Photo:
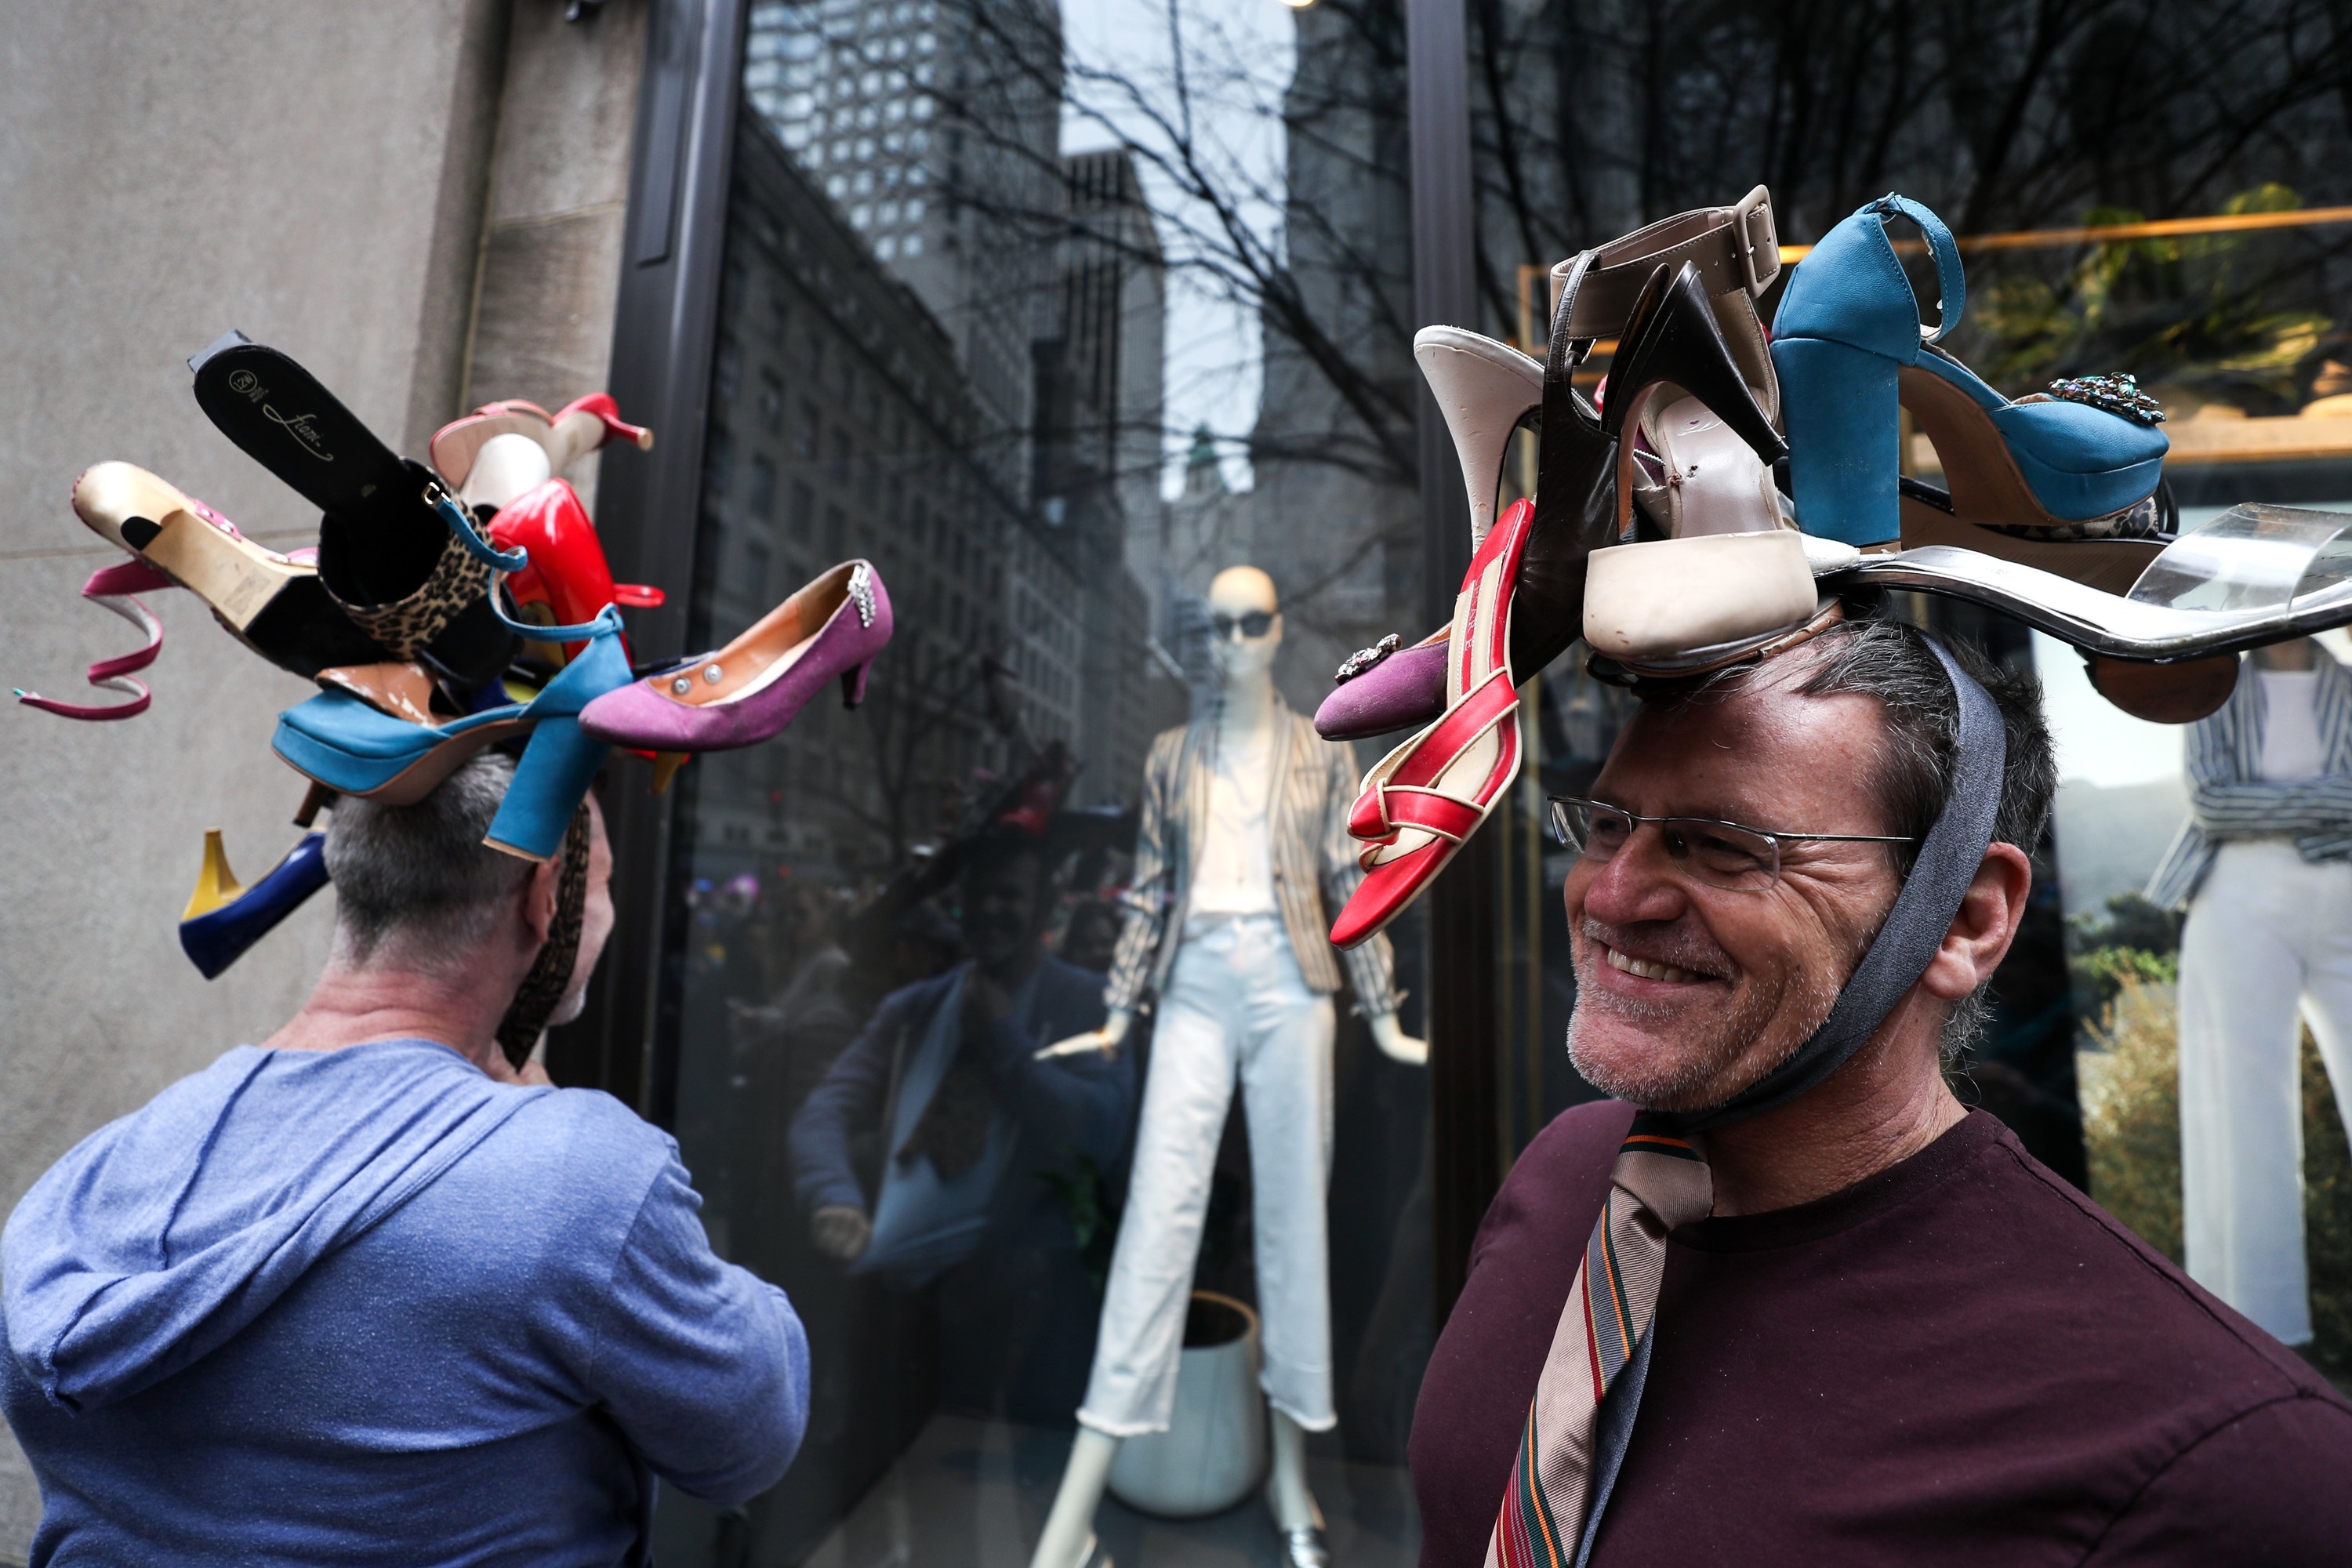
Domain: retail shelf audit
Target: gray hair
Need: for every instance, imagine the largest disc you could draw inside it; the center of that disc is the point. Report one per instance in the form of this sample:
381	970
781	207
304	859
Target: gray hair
419	878
1873	655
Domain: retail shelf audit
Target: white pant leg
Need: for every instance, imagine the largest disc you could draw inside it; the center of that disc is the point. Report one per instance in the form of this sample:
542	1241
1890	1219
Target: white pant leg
2240	1122
1132	1388
2327	979
1285	1069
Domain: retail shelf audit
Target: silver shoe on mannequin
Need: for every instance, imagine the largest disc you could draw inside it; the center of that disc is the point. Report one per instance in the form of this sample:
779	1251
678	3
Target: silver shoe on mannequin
1305	1549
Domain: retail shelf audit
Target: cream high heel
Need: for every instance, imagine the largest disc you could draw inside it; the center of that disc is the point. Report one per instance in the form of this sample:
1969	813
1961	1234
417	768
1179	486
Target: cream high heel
272	603
1485	389
508	467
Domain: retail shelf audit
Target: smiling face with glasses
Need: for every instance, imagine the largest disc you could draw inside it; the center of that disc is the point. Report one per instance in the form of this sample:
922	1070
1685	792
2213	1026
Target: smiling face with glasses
1732	866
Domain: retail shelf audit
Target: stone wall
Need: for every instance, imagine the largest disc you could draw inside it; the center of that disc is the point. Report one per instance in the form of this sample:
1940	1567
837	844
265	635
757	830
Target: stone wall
322	178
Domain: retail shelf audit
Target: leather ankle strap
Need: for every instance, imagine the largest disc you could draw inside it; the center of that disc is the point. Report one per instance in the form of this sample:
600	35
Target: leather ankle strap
1734	248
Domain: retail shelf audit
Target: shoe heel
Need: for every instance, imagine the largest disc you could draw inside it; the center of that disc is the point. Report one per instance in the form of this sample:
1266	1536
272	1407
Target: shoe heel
235	577
550	782
1840	404
852	684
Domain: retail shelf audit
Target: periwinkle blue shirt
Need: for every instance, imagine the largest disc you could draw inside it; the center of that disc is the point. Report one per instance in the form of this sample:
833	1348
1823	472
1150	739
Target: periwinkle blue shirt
371	1307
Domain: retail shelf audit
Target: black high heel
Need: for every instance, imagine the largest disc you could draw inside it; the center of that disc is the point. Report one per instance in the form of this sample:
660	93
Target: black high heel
1672	338
1580	494
404	562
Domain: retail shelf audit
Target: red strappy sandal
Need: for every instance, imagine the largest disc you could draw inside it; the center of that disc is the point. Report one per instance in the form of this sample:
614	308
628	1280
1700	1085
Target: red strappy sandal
1422	802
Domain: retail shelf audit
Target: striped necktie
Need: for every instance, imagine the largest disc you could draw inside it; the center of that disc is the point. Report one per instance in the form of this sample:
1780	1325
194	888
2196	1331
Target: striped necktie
1659	1181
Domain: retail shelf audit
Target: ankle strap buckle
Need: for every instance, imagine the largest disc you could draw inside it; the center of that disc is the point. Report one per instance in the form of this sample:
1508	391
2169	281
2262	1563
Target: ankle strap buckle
1757	241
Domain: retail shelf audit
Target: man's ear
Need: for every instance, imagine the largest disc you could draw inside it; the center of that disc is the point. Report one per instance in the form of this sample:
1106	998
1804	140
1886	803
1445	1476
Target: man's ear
1990	912
539	897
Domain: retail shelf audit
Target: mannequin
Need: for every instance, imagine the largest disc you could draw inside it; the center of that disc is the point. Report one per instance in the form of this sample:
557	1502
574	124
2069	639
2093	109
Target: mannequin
1240	843
2268	936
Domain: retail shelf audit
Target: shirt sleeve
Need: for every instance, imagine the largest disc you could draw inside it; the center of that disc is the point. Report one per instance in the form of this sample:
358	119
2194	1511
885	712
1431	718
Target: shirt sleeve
2268	1486
1081	1102
1151	887
703	1365
848	1097
2233	810
1371	965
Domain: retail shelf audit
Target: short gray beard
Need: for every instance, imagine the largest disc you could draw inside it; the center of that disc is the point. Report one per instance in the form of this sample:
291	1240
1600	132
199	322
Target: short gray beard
1694	1080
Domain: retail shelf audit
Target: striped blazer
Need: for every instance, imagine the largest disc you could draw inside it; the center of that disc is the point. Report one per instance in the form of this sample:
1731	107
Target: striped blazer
1314	861
2229	798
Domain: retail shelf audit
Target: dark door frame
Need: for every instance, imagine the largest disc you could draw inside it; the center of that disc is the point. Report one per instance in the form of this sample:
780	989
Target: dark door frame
1466	1149
648	505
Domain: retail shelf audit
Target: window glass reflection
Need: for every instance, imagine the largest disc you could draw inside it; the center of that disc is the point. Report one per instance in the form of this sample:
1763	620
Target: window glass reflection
978	329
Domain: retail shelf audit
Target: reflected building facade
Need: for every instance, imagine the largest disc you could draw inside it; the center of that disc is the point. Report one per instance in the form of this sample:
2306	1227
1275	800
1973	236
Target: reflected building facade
934	127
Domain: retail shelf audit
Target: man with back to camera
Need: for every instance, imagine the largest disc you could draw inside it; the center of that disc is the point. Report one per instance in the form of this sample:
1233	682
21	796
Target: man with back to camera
1858	1323
364	1294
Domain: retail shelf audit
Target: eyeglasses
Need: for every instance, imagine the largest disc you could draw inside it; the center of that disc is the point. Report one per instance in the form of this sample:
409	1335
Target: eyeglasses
1720	854
1255	624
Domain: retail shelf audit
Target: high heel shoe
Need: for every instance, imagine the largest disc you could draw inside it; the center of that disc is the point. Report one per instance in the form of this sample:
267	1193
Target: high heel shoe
344	742
1420	803
225	918
2254	575
274	606
568	579
2056	469
1486	390
404	561
1742	576
756	685
1384	688
571	433
1736	253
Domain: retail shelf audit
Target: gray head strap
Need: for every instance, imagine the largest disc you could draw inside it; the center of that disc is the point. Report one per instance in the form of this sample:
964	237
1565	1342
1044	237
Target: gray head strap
1954	846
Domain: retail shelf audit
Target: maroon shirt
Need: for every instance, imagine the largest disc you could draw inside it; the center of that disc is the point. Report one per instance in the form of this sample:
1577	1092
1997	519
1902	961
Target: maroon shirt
1961	1359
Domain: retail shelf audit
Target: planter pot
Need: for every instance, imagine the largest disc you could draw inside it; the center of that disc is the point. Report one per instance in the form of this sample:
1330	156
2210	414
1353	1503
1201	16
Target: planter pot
1213	1453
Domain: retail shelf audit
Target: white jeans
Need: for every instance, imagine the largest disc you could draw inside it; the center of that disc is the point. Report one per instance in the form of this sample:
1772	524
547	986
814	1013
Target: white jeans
1236	1007
2267	930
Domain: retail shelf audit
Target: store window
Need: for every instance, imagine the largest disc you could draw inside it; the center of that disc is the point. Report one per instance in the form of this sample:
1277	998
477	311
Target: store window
1050	401
1141	325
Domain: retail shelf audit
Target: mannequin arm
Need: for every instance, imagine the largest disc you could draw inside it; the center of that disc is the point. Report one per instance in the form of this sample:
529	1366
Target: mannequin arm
1395	1044
1105	1039
2257	809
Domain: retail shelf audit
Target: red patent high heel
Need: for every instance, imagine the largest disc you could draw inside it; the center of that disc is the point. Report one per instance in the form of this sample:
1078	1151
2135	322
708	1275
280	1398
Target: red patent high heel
571	432
567	580
584	424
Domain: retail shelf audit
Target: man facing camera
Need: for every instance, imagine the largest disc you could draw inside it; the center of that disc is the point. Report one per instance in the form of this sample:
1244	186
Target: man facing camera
1827	1314
363	1294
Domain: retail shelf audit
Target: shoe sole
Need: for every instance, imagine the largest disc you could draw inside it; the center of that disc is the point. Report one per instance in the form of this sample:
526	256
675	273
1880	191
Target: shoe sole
2110	566
408	782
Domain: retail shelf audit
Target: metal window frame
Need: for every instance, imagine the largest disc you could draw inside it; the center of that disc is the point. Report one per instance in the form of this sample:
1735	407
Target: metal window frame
1467	1152
649	504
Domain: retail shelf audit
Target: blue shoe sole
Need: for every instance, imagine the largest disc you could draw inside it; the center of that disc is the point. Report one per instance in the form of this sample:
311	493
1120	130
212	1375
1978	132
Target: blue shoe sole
213	942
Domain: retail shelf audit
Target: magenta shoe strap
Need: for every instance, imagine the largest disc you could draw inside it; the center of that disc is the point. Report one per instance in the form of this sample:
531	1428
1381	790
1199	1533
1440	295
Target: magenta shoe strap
111	586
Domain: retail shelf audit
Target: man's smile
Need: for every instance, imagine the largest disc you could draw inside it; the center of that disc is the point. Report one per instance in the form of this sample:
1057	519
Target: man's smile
1648	970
